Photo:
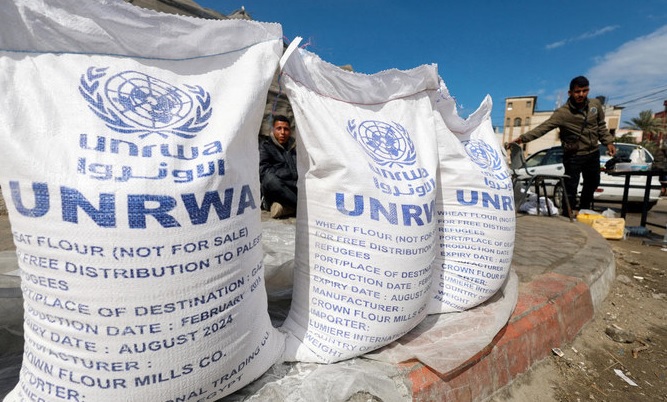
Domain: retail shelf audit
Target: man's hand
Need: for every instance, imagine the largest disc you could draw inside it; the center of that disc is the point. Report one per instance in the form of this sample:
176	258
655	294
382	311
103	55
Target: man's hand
517	140
611	149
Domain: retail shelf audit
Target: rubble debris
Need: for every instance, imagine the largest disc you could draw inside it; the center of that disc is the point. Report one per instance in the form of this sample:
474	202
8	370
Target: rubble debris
624	377
635	351
624	279
618	334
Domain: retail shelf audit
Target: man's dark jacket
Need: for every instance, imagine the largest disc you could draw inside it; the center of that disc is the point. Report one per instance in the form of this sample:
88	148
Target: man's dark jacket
586	126
276	161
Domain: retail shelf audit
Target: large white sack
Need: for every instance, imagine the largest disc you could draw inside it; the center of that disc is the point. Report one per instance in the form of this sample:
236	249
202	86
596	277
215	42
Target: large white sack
474	209
129	167
365	220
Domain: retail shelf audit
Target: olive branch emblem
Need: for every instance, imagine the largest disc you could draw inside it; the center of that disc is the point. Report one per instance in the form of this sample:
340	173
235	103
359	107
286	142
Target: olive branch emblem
486	157
387	144
147	110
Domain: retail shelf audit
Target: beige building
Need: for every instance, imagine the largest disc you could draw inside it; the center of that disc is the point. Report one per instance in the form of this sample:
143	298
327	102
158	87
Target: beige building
521	117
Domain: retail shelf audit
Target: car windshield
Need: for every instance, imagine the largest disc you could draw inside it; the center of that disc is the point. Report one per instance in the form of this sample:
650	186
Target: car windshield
545	157
536	159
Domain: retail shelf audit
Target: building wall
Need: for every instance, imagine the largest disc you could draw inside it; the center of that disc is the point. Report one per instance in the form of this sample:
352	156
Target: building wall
521	117
519	112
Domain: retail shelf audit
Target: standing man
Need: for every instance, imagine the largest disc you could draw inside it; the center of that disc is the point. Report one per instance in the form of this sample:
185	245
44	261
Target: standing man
582	128
277	169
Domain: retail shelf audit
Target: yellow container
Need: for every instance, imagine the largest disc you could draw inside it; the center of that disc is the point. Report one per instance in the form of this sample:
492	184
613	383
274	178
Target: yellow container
589	218
610	228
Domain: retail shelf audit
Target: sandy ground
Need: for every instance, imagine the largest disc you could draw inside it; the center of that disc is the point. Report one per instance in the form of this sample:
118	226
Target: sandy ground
628	333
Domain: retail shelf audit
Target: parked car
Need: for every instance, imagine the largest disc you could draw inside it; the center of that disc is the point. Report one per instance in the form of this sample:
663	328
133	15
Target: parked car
550	161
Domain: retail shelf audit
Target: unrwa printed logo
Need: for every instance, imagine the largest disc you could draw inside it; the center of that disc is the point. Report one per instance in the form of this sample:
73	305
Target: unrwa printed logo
387	144
131	102
486	157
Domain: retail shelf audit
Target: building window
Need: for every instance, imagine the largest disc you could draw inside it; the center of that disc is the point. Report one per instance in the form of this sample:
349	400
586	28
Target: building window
517	122
528	103
509	121
528	121
509	105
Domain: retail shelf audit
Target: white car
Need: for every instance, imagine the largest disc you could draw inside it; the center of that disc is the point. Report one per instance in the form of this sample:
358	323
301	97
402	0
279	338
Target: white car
550	161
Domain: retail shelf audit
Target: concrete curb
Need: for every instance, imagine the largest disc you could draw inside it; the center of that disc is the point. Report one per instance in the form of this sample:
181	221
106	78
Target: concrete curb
550	311
552	308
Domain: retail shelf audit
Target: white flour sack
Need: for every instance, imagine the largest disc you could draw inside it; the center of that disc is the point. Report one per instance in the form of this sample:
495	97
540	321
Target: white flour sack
474	209
366	213
129	168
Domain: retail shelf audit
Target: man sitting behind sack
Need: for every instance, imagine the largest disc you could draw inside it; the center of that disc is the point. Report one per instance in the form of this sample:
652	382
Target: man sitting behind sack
277	169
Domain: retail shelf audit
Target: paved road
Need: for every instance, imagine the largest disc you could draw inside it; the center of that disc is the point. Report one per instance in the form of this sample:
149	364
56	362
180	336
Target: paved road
6	241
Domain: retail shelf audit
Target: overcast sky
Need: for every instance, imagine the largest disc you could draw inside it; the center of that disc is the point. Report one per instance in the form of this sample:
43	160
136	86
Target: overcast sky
505	49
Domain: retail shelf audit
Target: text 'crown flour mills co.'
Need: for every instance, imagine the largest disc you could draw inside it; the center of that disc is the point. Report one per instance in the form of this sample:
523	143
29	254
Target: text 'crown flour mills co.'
129	168
475	209
365	222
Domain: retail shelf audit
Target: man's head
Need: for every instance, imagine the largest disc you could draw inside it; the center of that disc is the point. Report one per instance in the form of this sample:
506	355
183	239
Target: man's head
281	129
579	88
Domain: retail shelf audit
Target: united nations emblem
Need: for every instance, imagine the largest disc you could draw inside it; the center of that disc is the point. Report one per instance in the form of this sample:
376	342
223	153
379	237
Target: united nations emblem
387	144
486	157
134	102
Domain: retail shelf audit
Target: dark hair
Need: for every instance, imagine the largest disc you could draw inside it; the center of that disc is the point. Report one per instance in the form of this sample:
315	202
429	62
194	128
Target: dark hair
579	81
280	117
